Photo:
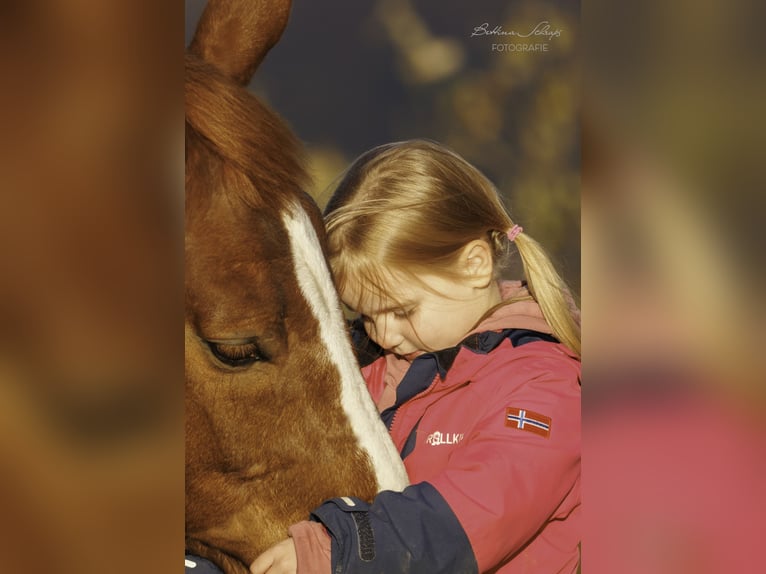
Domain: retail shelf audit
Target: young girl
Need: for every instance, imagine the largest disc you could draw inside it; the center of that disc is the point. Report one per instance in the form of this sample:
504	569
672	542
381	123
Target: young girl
477	379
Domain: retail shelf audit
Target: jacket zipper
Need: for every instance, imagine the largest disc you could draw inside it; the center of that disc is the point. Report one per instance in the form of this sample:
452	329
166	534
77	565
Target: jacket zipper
420	394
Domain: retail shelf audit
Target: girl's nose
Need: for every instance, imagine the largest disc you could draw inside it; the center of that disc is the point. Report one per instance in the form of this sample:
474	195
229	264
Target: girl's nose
383	332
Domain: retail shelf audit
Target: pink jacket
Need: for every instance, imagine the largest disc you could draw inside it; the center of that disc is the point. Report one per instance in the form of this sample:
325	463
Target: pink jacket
490	436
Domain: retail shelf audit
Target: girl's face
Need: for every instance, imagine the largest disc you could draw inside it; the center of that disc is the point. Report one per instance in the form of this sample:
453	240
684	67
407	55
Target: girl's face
412	319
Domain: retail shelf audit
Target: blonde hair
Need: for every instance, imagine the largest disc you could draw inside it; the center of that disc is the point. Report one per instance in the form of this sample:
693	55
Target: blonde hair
414	205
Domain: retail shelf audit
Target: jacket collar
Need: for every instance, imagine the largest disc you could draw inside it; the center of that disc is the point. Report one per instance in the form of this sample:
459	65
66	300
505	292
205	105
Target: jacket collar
481	342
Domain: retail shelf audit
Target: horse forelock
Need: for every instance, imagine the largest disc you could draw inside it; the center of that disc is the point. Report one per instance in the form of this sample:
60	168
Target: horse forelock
226	123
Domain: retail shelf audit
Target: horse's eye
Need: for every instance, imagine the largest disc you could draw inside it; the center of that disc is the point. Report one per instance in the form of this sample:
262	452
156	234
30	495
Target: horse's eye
239	355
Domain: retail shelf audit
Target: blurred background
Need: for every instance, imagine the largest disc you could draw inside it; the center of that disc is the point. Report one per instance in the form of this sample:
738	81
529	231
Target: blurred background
644	121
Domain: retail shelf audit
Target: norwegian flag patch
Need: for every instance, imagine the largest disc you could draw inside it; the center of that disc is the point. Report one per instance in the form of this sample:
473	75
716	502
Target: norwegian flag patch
528	420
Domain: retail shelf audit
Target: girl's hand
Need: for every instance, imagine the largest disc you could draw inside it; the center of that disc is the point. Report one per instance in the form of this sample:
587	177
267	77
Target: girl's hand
279	559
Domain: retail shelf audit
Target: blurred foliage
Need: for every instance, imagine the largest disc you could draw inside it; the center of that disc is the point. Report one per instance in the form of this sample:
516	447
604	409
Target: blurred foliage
390	70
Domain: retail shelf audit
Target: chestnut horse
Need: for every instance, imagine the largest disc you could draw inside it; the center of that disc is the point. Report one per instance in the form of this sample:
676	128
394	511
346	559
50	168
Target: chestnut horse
278	418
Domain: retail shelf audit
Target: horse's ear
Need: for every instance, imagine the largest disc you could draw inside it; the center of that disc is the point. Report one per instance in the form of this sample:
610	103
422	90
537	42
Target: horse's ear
235	35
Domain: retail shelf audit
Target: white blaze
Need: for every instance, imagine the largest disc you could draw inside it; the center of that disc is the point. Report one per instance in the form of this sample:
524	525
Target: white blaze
318	289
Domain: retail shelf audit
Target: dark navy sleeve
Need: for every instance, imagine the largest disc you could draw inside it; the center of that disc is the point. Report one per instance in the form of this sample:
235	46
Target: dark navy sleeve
197	565
410	532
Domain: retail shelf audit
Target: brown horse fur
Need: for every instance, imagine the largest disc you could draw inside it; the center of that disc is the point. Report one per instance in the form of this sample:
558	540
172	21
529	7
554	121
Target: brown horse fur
267	439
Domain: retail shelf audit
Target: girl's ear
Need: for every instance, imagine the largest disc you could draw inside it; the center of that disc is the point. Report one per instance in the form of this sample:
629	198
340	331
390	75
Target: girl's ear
478	264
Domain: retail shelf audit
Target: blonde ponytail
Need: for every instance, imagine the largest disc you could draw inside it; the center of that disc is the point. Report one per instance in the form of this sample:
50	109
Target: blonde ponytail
549	290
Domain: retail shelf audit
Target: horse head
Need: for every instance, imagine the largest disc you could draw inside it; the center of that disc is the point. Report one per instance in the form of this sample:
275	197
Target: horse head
277	416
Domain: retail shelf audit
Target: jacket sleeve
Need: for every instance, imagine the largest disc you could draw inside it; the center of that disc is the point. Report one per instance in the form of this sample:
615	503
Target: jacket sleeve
312	547
506	484
413	531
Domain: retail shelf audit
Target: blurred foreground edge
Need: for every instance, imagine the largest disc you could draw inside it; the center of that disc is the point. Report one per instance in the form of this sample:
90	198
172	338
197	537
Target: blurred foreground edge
91	295
674	403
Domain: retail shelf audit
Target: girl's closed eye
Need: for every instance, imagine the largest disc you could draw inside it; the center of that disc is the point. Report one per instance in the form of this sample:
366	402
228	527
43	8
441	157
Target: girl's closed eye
404	313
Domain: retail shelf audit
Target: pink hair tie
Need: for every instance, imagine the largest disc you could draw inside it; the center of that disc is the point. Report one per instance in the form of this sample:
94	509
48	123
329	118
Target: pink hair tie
514	231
